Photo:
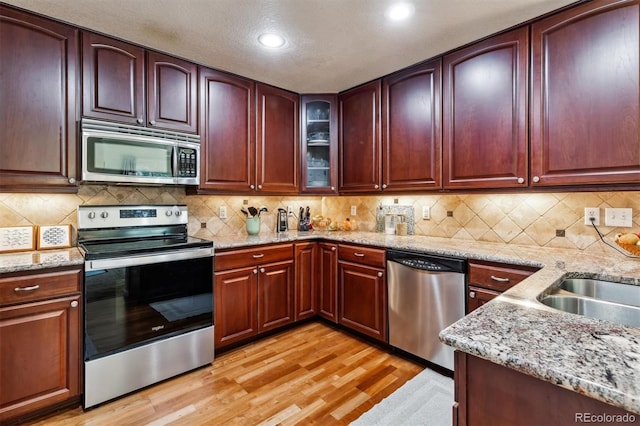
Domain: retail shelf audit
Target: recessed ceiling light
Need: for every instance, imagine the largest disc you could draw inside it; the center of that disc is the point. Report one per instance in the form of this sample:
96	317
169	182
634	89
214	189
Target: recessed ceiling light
271	40
400	11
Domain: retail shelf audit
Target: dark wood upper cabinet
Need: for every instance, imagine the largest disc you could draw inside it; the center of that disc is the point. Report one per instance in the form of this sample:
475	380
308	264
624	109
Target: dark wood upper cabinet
227	132
585	114
113	79
319	144
411	135
114	85
277	140
485	113
360	160
172	98
38	84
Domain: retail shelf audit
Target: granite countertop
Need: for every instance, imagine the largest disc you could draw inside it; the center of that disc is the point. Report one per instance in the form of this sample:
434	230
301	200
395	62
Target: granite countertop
43	259
596	358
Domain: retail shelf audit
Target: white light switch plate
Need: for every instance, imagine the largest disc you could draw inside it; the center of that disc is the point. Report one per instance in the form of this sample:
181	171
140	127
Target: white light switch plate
618	217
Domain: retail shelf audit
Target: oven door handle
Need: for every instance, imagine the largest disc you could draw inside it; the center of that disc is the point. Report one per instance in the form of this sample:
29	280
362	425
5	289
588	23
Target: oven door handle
169	256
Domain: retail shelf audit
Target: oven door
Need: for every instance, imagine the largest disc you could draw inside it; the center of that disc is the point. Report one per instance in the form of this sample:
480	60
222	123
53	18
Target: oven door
136	300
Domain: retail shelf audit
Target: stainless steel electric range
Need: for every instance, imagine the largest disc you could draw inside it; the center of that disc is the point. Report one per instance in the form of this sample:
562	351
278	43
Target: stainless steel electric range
148	298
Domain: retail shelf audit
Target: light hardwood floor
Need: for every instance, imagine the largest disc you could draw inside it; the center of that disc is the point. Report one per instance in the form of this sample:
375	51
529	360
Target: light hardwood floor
312	374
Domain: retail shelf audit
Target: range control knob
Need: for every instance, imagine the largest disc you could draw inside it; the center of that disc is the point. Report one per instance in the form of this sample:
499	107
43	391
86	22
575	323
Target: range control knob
92	215
178	213
104	215
168	213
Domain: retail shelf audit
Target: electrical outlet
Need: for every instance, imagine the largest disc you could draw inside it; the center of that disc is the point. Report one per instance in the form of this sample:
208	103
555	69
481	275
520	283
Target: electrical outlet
223	212
289	211
426	212
592	213
618	217
354	210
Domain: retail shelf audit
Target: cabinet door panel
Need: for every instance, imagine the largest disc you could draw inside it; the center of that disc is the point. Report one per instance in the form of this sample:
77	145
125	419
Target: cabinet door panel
360	144
235	298
328	281
172	93
306	281
412	139
113	79
485	113
227	132
277	140
586	102
39	77
363	298
275	295
40	359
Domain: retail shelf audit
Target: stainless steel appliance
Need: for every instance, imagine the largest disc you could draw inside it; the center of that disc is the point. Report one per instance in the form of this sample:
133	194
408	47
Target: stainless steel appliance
113	152
426	294
282	220
148	298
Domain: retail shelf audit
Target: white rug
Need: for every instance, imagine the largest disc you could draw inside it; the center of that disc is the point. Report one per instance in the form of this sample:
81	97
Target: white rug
427	399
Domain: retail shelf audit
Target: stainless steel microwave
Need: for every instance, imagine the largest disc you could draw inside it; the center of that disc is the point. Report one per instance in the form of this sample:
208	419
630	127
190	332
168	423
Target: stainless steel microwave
119	153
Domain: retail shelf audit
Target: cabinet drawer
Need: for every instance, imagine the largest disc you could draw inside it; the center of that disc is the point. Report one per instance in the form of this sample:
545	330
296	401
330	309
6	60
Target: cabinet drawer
362	255
26	288
497	276
252	256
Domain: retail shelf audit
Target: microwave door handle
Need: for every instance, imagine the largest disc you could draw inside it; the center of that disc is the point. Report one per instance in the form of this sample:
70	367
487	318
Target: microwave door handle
174	161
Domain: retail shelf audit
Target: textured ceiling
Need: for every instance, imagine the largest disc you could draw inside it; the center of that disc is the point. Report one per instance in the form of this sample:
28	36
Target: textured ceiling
332	44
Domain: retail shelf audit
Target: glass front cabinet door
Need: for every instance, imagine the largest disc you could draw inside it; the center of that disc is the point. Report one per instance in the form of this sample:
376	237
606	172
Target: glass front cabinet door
319	143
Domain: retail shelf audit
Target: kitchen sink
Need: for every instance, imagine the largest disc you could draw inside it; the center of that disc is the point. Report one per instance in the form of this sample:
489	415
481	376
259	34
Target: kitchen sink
603	290
605	300
593	308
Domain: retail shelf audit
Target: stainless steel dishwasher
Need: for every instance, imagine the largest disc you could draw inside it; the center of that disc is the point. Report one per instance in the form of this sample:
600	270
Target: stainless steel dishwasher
426	294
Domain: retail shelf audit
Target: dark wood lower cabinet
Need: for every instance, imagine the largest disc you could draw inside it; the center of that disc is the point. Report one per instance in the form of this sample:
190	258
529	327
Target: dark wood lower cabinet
275	295
306	281
328	281
490	394
235	301
40	355
362	299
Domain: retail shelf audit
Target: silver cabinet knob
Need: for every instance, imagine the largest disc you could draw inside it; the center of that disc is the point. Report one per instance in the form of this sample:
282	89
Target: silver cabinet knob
333	188
255	271
472	294
259	186
384	185
72	180
376	186
104	215
520	180
380	274
333	249
152	122
251	186
140	120
536	179
74	304
262	270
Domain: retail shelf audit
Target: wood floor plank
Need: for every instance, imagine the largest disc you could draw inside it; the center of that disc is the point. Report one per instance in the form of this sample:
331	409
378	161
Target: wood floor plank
312	374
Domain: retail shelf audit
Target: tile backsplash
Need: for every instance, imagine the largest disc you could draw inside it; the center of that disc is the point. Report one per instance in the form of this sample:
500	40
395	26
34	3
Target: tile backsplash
527	218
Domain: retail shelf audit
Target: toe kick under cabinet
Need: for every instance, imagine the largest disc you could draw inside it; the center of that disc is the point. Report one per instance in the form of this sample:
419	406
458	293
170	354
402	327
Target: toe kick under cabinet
40	339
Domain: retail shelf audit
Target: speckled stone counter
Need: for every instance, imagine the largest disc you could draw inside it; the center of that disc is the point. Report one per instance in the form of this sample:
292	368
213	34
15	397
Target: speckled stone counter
596	358
35	260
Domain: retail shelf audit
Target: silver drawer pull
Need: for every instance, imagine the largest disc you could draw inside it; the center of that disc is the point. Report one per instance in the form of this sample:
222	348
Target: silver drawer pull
359	254
32	288
258	256
501	280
